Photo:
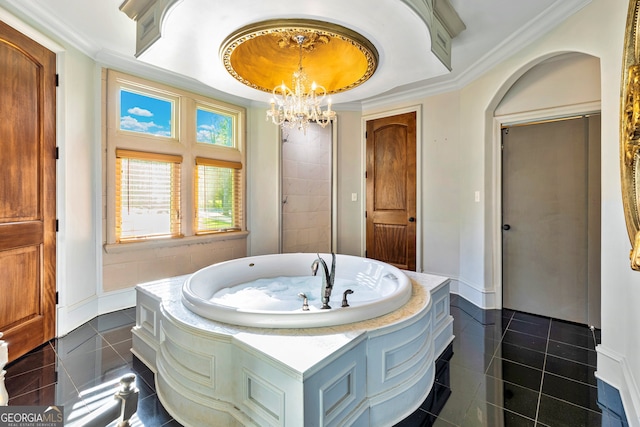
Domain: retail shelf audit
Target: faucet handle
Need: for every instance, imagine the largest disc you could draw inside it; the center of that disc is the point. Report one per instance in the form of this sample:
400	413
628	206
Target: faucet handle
305	301
345	303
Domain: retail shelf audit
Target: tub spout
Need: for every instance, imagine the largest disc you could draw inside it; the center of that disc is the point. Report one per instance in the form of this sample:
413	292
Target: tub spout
327	278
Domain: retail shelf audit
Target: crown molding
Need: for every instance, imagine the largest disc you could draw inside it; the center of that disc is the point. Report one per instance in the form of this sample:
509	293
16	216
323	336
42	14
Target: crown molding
550	18
110	59
32	14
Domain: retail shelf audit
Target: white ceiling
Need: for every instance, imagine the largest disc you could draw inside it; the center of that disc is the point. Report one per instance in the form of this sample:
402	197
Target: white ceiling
193	31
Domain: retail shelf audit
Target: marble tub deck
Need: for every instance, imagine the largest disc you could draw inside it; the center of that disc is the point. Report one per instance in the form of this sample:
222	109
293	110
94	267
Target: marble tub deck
301	353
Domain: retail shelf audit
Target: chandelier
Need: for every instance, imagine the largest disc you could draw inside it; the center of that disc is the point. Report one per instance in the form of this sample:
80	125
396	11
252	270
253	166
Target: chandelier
295	108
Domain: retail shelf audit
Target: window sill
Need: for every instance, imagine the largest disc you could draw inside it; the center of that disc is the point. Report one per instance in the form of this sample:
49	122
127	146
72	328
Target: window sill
120	248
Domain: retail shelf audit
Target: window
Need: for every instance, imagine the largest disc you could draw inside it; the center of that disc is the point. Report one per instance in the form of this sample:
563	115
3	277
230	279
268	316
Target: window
147	195
218	195
214	128
146	114
174	163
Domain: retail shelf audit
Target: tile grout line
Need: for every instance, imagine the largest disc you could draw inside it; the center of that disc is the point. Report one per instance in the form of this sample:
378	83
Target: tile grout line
495	350
544	366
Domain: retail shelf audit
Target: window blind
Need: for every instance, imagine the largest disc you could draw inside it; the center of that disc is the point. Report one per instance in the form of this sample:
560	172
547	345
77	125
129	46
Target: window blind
147	195
218	195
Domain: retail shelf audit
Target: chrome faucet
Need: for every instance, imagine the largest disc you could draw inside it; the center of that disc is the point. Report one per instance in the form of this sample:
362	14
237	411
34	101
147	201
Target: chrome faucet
327	278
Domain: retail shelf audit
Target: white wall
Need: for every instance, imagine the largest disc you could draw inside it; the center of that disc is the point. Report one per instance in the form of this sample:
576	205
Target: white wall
596	30
569	79
350	180
440	195
263	183
78	189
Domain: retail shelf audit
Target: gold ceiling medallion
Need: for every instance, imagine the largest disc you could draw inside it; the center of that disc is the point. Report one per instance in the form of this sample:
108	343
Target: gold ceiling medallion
630	131
288	38
266	54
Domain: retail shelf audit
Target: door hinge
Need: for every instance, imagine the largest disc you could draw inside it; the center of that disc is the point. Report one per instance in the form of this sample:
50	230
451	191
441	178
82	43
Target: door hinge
366	134
365	254
365	214
57	225
57	80
365	175
57	153
57	297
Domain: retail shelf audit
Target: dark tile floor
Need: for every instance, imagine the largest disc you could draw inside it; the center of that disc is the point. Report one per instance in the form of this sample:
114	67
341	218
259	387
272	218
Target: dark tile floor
504	368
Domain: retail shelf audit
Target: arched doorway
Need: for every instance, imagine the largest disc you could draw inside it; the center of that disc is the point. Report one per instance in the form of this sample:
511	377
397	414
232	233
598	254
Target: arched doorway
550	231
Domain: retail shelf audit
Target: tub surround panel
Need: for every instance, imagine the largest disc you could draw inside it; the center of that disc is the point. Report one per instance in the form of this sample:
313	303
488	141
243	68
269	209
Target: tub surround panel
263	397
191	358
441	309
208	408
405	357
392	407
335	391
148	321
354	373
442	329
249	370
394	362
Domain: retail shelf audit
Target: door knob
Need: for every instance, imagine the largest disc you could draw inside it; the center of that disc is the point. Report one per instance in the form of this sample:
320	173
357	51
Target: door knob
412	219
506	227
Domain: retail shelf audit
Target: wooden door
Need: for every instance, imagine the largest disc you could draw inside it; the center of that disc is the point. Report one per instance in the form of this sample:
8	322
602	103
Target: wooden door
391	190
27	192
547	227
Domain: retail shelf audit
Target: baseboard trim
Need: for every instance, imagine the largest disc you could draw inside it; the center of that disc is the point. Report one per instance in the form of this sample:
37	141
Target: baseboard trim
116	300
485	299
71	317
614	370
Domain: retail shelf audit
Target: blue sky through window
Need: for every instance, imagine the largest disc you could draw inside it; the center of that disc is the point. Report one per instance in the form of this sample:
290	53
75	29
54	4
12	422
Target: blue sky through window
214	128
145	114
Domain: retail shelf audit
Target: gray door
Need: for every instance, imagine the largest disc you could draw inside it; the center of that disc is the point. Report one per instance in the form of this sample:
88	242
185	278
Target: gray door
551	223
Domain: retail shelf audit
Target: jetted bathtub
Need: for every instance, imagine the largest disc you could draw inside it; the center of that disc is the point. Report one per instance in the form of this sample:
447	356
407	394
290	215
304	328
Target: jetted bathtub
264	291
